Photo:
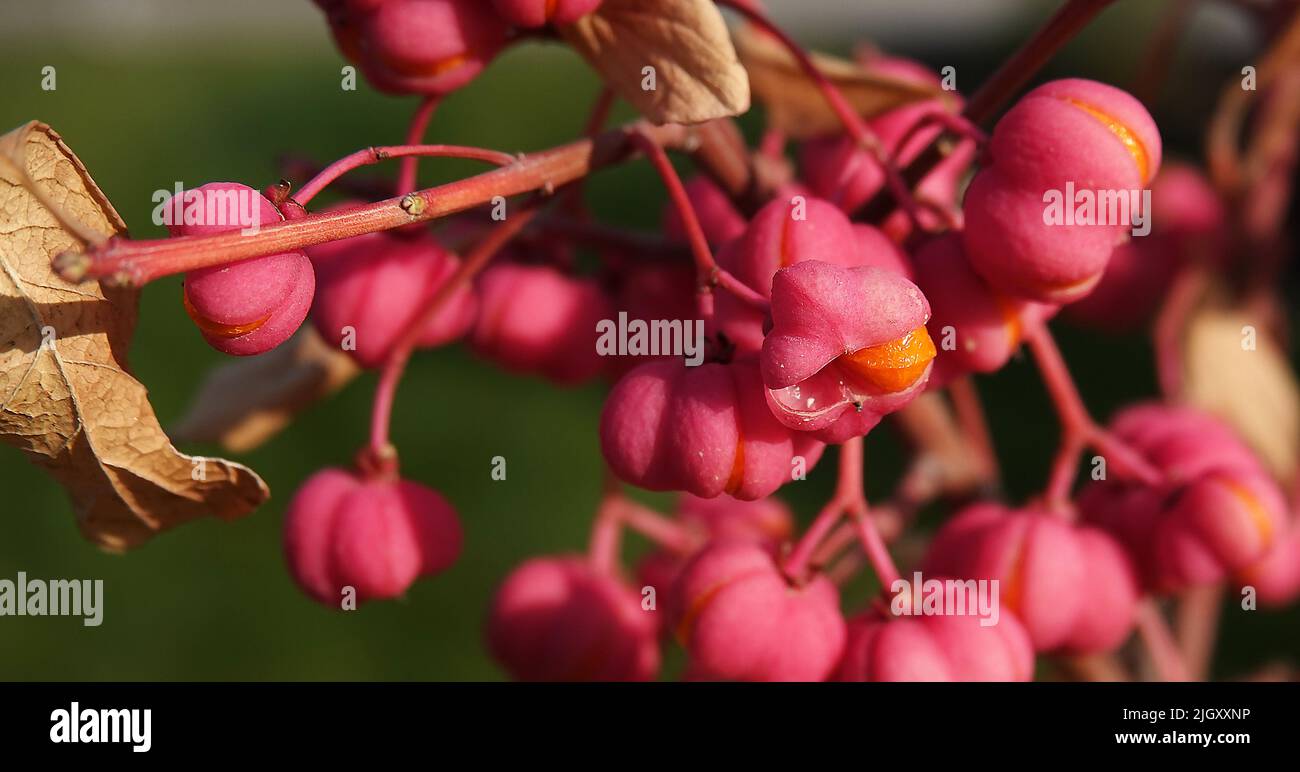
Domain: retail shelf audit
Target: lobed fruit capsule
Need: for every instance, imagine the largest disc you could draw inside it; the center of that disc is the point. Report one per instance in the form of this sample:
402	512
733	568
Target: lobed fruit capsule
251	306
650	291
936	648
417	46
740	618
977	328
1219	512
767	522
556	619
704	430
535	319
1073	587
375	536
537	13
1066	135
372	287
847	346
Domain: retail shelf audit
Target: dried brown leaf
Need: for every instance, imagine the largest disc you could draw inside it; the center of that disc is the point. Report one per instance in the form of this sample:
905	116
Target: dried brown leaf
1252	389
697	75
247	401
796	107
66	399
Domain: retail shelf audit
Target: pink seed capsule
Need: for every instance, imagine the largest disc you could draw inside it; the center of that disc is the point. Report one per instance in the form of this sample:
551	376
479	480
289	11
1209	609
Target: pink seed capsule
936	648
1062	139
1219	513
418	46
254	305
847	346
976	329
556	619
705	430
741	620
537	13
787	231
718	217
767	522
1072	587
877	249
534	319
374	537
371	287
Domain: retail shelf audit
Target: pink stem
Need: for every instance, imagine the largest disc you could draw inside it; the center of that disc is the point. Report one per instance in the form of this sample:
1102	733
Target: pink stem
373	155
848	498
395	365
665	532
606	533
1078	429
707	271
876	551
1159	642
415	136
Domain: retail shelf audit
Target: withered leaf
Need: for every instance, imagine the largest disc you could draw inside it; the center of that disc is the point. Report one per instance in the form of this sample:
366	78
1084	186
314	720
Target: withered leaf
796	107
696	75
247	401
1235	371
66	398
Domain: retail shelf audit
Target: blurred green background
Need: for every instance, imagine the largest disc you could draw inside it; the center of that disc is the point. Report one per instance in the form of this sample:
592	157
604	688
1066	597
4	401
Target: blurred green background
212	600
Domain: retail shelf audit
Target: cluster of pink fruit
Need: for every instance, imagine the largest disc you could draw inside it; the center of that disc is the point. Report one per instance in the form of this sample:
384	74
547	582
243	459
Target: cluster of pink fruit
842	323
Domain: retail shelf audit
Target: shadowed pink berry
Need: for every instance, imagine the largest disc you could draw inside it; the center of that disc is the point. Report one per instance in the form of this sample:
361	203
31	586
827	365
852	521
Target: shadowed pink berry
536	13
740	619
936	648
535	319
1072	587
1219	512
847	346
1067	135
719	218
1188	221
372	287
556	619
251	306
649	291
374	536
705	430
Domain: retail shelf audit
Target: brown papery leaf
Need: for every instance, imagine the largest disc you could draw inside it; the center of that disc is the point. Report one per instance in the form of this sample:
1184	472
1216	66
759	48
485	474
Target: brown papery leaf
66	399
796	107
697	76
247	401
1254	390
